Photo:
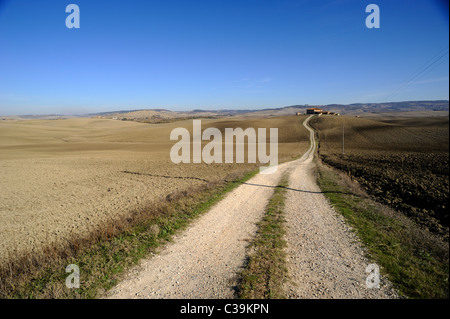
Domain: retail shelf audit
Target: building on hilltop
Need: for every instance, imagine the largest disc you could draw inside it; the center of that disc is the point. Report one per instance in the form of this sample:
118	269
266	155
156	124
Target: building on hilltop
314	110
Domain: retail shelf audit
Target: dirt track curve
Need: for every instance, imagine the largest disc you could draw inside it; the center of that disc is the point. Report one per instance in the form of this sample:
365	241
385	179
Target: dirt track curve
325	260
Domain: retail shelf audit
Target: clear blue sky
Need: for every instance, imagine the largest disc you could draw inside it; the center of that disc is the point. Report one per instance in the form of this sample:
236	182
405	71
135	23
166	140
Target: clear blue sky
216	54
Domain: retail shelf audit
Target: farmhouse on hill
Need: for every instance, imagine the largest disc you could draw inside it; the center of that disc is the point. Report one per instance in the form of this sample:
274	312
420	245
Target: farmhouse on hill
315	110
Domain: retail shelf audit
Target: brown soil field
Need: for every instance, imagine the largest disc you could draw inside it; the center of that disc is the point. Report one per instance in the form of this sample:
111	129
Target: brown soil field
403	162
60	178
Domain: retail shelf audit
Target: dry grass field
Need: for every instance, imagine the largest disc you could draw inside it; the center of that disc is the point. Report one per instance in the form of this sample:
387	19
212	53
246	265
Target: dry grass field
402	161
60	178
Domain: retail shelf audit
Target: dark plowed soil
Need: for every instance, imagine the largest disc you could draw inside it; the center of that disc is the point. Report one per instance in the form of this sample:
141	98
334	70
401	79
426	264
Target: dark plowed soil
414	184
403	164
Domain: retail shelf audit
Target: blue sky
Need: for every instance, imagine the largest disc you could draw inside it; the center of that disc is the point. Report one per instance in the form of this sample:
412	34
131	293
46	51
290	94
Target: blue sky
217	54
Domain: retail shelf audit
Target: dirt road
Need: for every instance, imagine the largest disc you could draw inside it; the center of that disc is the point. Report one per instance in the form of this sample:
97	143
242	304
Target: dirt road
203	261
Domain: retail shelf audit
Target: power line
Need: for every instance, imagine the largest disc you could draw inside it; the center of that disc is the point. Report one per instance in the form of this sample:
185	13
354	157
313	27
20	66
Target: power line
417	74
431	63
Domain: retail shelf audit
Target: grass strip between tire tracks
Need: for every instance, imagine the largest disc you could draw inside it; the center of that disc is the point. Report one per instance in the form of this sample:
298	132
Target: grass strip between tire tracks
265	270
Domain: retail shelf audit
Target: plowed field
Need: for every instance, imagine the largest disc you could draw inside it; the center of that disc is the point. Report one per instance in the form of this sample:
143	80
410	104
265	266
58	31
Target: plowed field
403	162
63	177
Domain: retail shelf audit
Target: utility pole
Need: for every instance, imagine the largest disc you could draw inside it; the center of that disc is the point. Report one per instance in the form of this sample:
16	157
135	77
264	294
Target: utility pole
343	137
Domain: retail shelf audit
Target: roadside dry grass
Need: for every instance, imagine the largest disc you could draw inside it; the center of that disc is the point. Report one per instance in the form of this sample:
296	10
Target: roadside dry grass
265	271
104	256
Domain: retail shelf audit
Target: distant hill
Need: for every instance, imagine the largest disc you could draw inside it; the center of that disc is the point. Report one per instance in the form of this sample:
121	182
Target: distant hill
407	106
37	117
163	115
359	108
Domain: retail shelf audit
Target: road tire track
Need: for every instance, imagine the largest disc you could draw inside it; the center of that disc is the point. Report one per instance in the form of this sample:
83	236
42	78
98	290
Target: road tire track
325	258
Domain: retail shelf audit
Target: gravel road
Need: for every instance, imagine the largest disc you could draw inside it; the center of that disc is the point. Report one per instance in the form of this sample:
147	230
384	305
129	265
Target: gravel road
324	258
